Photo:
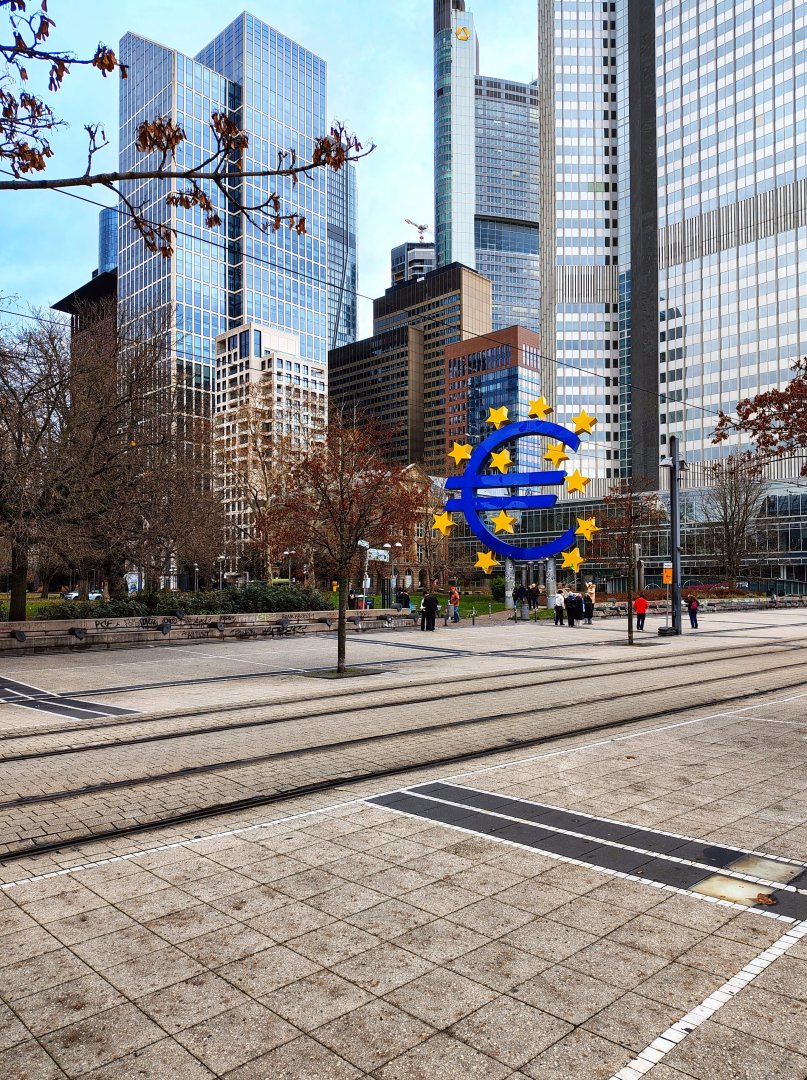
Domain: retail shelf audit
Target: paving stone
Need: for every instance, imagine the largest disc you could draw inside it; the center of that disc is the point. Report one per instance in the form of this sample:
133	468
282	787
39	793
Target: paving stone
156	1062
382	969
444	1057
152	972
499	966
679	985
550	940
590	915
27	1061
441	941
720	956
717	1052
491	917
222	946
107	950
580	1056
441	997
347	899
267	970
184	1004
334	942
616	964
315	1000
290	921
372	1034
510	1031
67	1003
41	972
777	1019
83	1046
632	1021
26	944
294	1060
89	924
229	1039
12	1031
390	919
567	994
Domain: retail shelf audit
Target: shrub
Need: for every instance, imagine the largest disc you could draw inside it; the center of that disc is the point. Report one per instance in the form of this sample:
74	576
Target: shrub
248	598
497	588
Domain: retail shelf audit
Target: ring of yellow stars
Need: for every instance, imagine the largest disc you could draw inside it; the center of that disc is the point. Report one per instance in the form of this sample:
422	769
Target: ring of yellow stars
583	422
539	408
504	522
486	560
577	482
444	523
556	454
461	452
586	527
497	417
501	460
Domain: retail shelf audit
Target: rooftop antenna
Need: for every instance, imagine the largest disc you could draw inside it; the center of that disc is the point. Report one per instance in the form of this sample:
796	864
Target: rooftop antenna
420	228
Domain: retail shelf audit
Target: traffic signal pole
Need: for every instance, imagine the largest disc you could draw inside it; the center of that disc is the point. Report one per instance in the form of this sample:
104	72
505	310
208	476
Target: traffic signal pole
675	532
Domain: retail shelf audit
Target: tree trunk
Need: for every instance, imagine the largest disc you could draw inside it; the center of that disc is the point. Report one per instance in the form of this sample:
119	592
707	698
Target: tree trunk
341	629
19	581
44	591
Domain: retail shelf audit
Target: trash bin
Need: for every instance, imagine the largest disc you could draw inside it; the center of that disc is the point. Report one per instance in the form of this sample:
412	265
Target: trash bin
524	612
361	603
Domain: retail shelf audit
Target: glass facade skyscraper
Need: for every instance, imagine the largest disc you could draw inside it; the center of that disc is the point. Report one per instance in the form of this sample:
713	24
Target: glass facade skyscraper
342	257
276	91
486	170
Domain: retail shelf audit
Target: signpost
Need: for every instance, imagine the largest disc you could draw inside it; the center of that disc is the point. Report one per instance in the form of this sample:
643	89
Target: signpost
666	579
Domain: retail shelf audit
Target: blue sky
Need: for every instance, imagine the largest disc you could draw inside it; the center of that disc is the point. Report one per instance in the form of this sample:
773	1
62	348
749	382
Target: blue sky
379	60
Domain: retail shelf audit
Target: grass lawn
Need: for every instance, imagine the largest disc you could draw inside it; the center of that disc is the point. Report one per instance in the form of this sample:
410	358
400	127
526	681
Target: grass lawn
34	603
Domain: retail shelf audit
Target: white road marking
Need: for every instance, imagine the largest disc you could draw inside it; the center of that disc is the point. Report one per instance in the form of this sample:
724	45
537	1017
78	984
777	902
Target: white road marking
657	1050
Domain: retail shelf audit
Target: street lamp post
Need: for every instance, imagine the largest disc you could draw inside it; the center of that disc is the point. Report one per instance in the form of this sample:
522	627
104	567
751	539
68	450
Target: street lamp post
196	577
676	466
289	554
221	572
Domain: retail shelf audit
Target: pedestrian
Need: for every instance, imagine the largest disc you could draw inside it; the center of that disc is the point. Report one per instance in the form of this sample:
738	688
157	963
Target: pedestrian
406	601
533	598
559	608
571	606
351	600
520	595
588	607
454	604
640	607
430	606
692	608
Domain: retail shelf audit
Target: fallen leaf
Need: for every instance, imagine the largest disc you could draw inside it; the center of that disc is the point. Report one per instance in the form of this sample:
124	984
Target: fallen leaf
766	899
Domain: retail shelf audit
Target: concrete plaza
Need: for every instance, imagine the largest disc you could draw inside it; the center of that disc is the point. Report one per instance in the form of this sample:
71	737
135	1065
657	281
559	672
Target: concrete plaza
602	906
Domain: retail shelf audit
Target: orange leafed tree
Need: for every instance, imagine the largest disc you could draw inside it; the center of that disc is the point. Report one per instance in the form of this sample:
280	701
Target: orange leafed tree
341	490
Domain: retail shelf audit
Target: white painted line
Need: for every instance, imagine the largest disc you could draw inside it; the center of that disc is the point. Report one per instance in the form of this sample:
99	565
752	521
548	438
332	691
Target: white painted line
764	720
675	1034
446	800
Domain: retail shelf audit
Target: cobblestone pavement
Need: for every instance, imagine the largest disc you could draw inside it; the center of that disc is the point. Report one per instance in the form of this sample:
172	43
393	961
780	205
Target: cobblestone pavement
327	936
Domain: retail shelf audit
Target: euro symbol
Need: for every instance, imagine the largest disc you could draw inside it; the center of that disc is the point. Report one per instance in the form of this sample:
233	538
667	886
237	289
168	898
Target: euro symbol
471	504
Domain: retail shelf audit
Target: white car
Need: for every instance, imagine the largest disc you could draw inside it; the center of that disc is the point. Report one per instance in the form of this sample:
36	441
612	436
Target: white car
91	596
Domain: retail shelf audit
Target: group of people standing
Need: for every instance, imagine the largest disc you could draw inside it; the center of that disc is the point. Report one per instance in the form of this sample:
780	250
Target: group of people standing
530	595
575	606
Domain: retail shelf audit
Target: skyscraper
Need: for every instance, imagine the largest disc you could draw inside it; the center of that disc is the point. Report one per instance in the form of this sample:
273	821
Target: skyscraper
486	169
342	257
218	279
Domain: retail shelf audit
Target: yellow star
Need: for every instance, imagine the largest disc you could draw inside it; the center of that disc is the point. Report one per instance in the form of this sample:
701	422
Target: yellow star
586	527
501	460
498	417
444	523
584	422
556	454
504	522
486	560
576	482
572	560
461	452
540	408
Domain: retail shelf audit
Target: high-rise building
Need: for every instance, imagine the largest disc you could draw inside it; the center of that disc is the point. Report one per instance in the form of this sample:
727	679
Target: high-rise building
218	279
108	220
342	257
486	151
411	260
399	373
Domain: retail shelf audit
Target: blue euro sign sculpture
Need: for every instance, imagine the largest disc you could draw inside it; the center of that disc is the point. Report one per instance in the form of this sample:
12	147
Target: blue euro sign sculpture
470	482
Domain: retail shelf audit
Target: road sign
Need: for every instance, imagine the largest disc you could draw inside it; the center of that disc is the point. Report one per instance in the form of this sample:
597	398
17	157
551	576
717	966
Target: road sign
378	554
666	574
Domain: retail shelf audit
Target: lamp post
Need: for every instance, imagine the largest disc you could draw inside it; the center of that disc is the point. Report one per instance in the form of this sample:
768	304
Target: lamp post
196	577
288	554
676	466
221	572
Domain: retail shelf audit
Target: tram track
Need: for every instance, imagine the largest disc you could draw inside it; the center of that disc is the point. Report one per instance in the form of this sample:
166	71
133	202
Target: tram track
340	766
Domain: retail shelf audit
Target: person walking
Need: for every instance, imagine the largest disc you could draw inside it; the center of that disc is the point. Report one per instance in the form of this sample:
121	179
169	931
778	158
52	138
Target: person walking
588	607
571	606
692	607
454	604
430	606
559	608
640	607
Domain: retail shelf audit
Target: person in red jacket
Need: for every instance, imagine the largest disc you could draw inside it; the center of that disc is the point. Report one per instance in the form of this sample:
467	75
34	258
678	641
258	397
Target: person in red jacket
640	607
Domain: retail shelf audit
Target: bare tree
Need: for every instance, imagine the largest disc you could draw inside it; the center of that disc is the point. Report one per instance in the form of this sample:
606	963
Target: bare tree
731	506
629	507
26	123
340	491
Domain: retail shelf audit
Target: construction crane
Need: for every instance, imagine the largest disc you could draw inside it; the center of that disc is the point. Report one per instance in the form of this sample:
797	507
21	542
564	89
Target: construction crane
420	228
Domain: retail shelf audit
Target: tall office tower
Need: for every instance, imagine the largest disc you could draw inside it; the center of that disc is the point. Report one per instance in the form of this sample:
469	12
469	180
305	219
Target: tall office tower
222	278
342	257
732	190
580	240
411	260
486	169
108	220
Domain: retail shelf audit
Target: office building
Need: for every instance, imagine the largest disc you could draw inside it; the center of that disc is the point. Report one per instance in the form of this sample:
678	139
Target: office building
486	152
411	260
485	373
266	392
222	278
93	306
342	257
447	305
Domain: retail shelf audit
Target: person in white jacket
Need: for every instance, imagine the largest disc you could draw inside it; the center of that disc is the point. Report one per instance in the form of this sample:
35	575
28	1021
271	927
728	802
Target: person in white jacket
560	602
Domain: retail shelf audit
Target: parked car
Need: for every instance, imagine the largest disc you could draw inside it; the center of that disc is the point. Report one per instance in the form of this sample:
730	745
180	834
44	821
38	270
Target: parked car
96	595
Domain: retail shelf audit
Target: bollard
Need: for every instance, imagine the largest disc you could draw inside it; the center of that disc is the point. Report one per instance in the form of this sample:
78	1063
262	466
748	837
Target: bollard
473	616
